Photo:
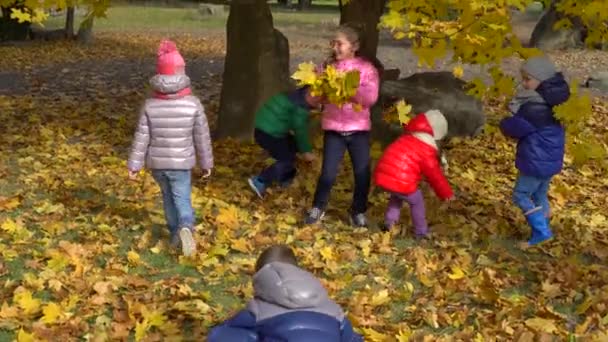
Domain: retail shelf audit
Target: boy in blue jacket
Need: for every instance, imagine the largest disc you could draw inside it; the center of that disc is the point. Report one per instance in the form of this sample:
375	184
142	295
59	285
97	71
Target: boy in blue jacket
289	305
540	141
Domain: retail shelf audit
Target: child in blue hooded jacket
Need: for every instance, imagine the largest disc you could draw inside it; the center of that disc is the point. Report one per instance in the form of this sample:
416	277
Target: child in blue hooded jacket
289	305
540	141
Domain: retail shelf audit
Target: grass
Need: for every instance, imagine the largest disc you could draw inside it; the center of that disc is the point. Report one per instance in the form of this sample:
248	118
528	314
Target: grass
144	18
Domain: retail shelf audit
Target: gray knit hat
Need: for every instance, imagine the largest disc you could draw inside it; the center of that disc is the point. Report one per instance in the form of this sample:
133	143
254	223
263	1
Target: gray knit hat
539	67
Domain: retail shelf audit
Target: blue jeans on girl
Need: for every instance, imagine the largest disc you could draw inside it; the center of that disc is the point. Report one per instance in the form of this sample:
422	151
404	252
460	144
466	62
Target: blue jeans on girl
334	146
175	186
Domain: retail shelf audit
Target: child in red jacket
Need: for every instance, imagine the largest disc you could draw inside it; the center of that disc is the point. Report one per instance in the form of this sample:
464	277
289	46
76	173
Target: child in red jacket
404	163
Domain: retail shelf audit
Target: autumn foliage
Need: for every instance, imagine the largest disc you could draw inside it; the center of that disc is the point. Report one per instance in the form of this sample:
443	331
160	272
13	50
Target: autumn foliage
84	252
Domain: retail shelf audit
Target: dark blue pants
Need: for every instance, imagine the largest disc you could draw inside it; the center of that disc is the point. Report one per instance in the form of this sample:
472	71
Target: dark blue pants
334	146
283	150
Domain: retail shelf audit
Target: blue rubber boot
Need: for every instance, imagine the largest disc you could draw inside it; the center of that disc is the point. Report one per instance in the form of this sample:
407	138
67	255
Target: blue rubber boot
540	228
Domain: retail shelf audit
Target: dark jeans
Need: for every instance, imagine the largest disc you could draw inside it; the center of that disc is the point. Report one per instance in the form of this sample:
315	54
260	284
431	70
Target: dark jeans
334	146
283	150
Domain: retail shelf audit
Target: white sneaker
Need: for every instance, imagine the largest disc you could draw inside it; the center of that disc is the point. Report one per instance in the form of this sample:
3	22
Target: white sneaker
188	244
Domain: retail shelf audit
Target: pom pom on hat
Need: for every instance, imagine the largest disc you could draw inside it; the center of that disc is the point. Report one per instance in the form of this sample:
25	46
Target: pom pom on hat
169	58
438	122
166	46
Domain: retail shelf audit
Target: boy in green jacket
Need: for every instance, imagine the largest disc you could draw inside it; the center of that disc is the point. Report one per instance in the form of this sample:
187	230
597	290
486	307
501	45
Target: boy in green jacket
281	128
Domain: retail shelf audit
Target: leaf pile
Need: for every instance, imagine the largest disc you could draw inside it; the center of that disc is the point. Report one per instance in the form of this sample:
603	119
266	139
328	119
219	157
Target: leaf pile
84	251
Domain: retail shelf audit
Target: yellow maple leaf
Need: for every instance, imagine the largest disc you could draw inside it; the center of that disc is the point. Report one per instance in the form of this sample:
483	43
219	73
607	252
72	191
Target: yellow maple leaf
23	336
39	16
133	258
228	217
51	313
380	298
425	280
155	318
306	74
26	302
403	111
141	329
456	274
403	336
458	71
22	17
240	245
373	336
392	20
327	253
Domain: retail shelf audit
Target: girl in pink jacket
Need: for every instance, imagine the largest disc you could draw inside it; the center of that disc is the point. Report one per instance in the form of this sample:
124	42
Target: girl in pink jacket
348	129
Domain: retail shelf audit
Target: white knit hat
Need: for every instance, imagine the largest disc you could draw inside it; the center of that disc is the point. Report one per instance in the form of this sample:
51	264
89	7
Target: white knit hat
438	122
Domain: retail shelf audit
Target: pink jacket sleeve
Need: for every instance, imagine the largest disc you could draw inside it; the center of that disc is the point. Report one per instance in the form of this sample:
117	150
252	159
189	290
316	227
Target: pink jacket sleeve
369	84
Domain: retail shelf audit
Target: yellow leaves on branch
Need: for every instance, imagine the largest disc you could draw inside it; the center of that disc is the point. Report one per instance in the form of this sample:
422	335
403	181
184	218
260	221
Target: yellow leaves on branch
36	15
591	13
573	114
479	31
336	86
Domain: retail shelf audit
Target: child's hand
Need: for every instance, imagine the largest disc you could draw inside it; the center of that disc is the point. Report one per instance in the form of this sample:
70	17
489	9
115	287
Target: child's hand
133	175
206	173
309	157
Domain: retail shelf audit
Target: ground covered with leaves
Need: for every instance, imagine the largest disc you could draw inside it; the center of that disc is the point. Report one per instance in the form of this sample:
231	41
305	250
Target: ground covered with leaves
84	250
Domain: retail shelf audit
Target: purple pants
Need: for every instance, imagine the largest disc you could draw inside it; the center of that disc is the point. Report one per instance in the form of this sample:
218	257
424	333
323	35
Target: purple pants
416	202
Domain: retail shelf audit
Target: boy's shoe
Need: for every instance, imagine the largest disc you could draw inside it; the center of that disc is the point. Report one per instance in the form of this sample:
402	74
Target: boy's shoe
188	244
358	220
540	229
257	186
175	241
314	215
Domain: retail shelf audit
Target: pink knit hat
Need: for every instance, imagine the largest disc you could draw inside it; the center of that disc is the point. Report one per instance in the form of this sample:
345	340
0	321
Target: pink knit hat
169	58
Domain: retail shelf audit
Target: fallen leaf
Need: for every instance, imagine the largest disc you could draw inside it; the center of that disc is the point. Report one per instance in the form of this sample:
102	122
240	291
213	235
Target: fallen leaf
541	325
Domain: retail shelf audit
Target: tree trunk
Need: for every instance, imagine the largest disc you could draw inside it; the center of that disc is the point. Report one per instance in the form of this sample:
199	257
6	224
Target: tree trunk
366	14
256	66
69	23
85	31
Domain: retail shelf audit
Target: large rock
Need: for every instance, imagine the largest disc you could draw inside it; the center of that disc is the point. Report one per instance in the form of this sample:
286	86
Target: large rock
256	66
431	90
598	81
210	9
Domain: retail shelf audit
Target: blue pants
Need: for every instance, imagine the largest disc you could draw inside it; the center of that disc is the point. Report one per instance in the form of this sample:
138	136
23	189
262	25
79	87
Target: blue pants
530	194
175	186
283	150
334	147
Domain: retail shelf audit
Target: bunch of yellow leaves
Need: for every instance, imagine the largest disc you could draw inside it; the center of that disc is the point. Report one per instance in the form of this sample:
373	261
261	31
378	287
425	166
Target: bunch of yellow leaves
338	87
